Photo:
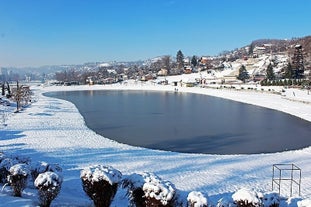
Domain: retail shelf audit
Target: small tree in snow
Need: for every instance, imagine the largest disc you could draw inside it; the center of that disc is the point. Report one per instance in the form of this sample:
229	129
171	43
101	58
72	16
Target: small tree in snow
49	185
18	178
196	199
100	183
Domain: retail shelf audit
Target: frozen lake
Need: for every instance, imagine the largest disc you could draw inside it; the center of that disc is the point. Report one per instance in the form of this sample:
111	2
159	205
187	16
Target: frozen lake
185	122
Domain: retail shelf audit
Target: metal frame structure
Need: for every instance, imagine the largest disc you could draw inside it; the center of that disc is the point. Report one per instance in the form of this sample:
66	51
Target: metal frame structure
278	176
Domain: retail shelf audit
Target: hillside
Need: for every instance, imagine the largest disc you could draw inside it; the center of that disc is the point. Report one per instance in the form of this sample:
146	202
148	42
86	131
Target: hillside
276	46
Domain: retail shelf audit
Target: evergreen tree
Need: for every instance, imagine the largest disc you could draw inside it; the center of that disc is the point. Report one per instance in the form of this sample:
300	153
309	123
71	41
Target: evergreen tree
194	61
251	48
180	59
288	71
3	90
243	74
269	72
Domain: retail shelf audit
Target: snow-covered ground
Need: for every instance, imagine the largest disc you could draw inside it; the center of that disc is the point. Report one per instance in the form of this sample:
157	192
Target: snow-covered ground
52	130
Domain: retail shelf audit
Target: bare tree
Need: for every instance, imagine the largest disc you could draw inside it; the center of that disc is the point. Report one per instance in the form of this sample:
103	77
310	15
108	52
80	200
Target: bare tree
21	95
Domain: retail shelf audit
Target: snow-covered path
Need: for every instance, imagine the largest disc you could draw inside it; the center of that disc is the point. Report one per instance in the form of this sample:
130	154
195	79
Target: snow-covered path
52	130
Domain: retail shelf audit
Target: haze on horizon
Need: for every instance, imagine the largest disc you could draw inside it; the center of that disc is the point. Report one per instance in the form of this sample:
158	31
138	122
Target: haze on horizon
54	32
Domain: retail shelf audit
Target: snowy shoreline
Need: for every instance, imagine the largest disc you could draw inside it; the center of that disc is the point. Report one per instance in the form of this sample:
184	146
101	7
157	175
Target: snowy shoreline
52	130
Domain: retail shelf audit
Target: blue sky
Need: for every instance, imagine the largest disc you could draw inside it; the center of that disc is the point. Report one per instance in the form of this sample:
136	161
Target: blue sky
44	32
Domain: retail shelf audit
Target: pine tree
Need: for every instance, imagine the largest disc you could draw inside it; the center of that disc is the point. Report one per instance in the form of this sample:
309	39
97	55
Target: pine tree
243	74
269	72
194	61
288	71
180	59
3	89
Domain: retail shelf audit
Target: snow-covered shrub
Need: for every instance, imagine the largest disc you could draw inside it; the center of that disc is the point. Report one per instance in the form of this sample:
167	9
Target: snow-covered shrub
196	199
41	167
304	203
147	189
134	184
5	165
100	183
247	198
48	185
6	162
271	200
226	202
158	192
17	178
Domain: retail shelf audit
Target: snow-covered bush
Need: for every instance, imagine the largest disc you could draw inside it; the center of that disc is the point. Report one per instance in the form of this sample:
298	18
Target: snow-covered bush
158	192
100	183
271	200
247	198
48	185
17	178
134	184
304	203
5	165
147	189
6	162
226	202
196	199
41	167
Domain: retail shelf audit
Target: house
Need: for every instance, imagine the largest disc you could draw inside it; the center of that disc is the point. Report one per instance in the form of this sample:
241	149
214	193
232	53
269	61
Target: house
162	72
259	51
188	70
189	82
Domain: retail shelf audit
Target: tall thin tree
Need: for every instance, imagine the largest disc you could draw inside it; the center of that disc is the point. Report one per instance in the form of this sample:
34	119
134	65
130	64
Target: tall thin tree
269	72
180	59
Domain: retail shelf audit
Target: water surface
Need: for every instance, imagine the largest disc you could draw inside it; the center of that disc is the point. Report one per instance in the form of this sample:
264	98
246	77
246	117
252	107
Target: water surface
185	122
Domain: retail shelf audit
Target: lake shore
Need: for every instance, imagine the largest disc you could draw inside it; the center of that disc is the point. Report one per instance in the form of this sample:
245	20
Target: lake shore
52	130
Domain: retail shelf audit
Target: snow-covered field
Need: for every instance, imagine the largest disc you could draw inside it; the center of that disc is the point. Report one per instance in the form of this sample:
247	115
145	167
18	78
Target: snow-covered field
52	130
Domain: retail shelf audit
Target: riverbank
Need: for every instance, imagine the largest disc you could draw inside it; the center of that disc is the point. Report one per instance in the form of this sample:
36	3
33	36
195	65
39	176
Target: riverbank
52	130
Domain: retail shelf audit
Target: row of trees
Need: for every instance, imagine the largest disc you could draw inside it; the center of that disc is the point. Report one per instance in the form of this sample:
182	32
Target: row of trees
287	78
285	82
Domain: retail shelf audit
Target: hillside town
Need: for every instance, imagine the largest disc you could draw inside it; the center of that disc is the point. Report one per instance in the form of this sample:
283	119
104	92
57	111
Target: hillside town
263	62
272	62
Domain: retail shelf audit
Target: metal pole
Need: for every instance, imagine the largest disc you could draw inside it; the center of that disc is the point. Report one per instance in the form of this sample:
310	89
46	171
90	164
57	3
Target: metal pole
291	180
